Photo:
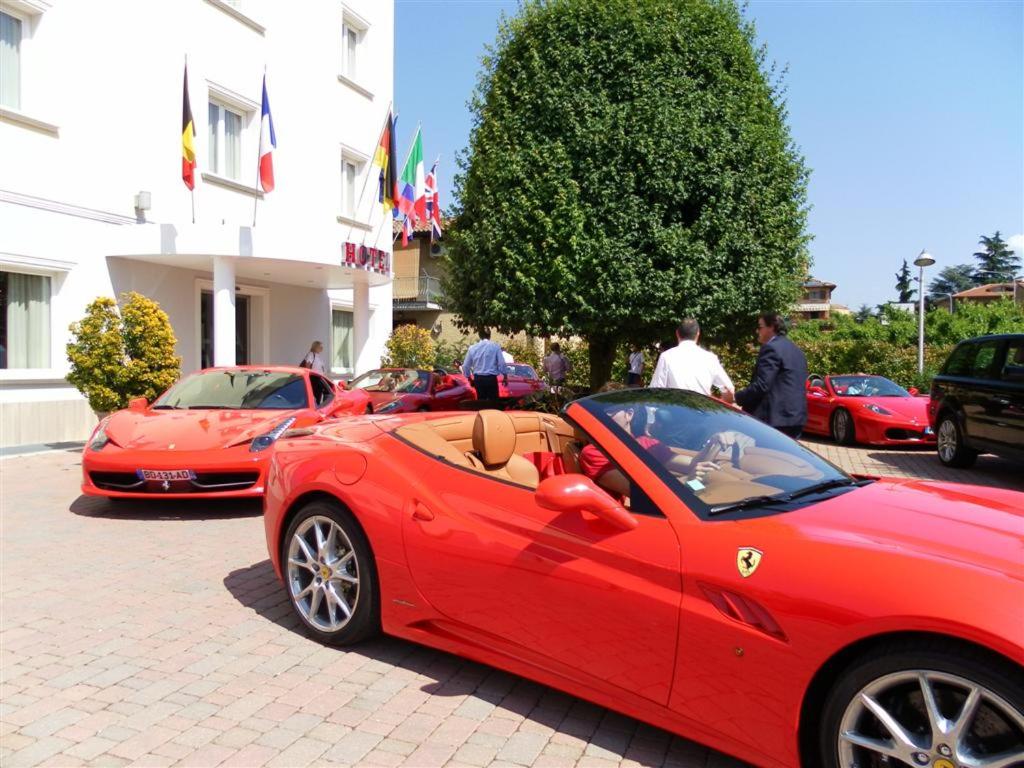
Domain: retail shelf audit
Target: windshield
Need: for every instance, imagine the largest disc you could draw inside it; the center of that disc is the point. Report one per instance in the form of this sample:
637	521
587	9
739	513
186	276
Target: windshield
710	454
867	386
242	390
515	369
400	380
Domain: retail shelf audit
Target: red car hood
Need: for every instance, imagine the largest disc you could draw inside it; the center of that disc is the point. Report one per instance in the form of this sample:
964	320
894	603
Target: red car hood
981	527
905	407
199	430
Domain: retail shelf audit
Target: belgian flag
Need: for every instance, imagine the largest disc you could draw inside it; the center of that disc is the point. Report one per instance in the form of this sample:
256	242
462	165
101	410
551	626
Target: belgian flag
188	131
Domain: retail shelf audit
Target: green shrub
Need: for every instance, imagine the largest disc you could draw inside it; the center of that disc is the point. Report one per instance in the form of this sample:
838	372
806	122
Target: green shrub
117	357
409	346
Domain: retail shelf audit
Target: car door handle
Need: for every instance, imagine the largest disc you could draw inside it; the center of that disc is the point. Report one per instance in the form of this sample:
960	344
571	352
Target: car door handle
420	512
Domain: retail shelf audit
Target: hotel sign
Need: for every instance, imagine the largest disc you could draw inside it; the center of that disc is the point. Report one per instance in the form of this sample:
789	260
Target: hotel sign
366	258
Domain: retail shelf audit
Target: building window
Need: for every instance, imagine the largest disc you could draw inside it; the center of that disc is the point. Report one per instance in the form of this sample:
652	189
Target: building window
24	320
225	141
350	48
349	171
10	61
341	340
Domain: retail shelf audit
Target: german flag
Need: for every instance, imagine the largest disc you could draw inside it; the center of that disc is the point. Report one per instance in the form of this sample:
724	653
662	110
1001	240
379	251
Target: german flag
384	158
188	150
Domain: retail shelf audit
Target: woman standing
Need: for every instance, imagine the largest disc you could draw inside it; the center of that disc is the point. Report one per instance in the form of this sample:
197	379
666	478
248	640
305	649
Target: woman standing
314	358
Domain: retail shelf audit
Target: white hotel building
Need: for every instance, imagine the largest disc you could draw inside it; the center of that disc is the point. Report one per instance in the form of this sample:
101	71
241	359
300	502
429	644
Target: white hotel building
92	202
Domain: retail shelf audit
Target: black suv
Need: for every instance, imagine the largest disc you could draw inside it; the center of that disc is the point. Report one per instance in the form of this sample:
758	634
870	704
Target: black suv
977	403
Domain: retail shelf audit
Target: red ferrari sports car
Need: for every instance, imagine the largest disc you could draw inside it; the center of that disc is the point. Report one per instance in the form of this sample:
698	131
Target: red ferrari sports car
523	382
209	434
737	589
866	409
404	390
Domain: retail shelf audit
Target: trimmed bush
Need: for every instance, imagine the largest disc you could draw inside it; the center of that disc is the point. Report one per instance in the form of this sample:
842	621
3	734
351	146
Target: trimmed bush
410	346
115	357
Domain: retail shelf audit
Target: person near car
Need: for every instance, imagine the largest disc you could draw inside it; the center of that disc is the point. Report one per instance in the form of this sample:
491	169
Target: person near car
556	365
635	370
507	356
314	359
483	364
689	366
777	393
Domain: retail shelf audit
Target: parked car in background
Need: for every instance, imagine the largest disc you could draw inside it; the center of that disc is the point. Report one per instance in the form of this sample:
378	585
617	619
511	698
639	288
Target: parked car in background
774	608
523	382
866	409
210	434
403	390
977	400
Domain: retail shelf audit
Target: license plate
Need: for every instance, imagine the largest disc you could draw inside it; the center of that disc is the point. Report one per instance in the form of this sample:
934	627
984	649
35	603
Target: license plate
166	474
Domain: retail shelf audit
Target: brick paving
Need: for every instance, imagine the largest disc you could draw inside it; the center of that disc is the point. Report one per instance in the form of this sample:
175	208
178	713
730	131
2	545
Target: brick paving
155	634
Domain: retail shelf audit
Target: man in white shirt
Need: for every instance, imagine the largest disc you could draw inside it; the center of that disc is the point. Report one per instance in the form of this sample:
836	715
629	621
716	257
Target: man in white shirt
687	366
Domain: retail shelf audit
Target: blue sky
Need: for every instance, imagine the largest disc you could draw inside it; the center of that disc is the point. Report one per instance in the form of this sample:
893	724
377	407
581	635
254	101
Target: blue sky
909	114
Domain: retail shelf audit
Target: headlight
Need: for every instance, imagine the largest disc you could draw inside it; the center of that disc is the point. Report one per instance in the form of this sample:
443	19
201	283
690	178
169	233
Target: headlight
878	409
99	438
388	407
266	440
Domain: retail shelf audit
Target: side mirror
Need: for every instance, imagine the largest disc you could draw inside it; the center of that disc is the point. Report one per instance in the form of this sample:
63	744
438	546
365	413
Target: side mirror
340	385
138	404
578	493
914	391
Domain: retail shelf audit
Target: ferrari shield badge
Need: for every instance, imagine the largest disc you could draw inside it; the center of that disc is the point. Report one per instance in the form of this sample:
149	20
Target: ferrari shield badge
747	560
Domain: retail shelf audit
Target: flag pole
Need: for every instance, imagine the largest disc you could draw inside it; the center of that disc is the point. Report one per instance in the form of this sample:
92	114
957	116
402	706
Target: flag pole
256	197
388	118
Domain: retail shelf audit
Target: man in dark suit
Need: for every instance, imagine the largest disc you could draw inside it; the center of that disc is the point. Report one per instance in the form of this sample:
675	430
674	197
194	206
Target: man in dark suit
776	394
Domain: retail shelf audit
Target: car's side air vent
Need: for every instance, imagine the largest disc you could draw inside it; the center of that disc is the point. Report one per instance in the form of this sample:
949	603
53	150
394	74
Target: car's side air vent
743	609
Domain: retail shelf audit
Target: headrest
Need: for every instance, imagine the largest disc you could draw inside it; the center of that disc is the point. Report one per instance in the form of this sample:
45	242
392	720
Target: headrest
494	437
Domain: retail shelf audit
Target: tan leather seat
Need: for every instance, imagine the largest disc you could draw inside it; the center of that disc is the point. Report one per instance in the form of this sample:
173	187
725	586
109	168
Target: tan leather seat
494	444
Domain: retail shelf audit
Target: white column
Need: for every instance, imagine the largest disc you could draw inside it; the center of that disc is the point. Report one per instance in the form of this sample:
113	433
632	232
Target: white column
223	310
361	324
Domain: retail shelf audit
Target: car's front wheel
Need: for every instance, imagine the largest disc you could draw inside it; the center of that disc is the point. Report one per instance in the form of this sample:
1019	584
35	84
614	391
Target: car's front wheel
942	706
843	431
952	449
330	575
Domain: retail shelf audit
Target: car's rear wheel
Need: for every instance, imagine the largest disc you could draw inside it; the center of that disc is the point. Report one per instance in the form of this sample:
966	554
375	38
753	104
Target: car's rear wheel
843	431
330	575
950	444
943	706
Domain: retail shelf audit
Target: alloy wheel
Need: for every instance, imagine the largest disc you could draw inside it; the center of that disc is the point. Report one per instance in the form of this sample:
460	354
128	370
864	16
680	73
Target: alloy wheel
842	420
930	718
323	574
947	440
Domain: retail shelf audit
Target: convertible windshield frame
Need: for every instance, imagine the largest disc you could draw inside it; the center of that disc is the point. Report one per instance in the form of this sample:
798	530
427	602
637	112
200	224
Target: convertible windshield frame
846	379
596	406
415	386
280	380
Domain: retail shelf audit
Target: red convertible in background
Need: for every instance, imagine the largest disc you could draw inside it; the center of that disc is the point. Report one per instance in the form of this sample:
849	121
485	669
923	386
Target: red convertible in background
523	382
739	590
866	409
404	390
210	434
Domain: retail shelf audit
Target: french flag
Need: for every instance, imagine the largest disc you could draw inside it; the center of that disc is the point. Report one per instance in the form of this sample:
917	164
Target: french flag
268	143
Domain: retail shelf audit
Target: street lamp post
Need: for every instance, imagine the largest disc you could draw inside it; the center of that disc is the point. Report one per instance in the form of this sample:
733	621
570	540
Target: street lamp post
948	296
923	260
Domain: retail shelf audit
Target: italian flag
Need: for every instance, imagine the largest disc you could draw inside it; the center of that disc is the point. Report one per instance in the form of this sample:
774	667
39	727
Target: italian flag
413	200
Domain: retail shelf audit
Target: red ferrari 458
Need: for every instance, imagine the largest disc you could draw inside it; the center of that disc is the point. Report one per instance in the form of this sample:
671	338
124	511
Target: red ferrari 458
404	390
661	554
866	409
210	434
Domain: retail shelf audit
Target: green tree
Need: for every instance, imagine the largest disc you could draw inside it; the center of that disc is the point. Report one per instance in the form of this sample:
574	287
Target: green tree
629	164
409	346
996	262
904	284
952	280
115	357
862	314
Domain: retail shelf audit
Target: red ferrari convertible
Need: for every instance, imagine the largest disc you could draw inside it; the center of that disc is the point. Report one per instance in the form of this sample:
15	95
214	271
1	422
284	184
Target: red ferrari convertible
209	434
523	383
404	390
866	409
730	585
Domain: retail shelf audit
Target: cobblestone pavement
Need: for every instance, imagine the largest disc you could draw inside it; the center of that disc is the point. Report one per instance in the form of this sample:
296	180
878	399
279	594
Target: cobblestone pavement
155	634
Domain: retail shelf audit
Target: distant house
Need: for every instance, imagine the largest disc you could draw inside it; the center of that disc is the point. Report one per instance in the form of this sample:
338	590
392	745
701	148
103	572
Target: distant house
816	302
982	294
